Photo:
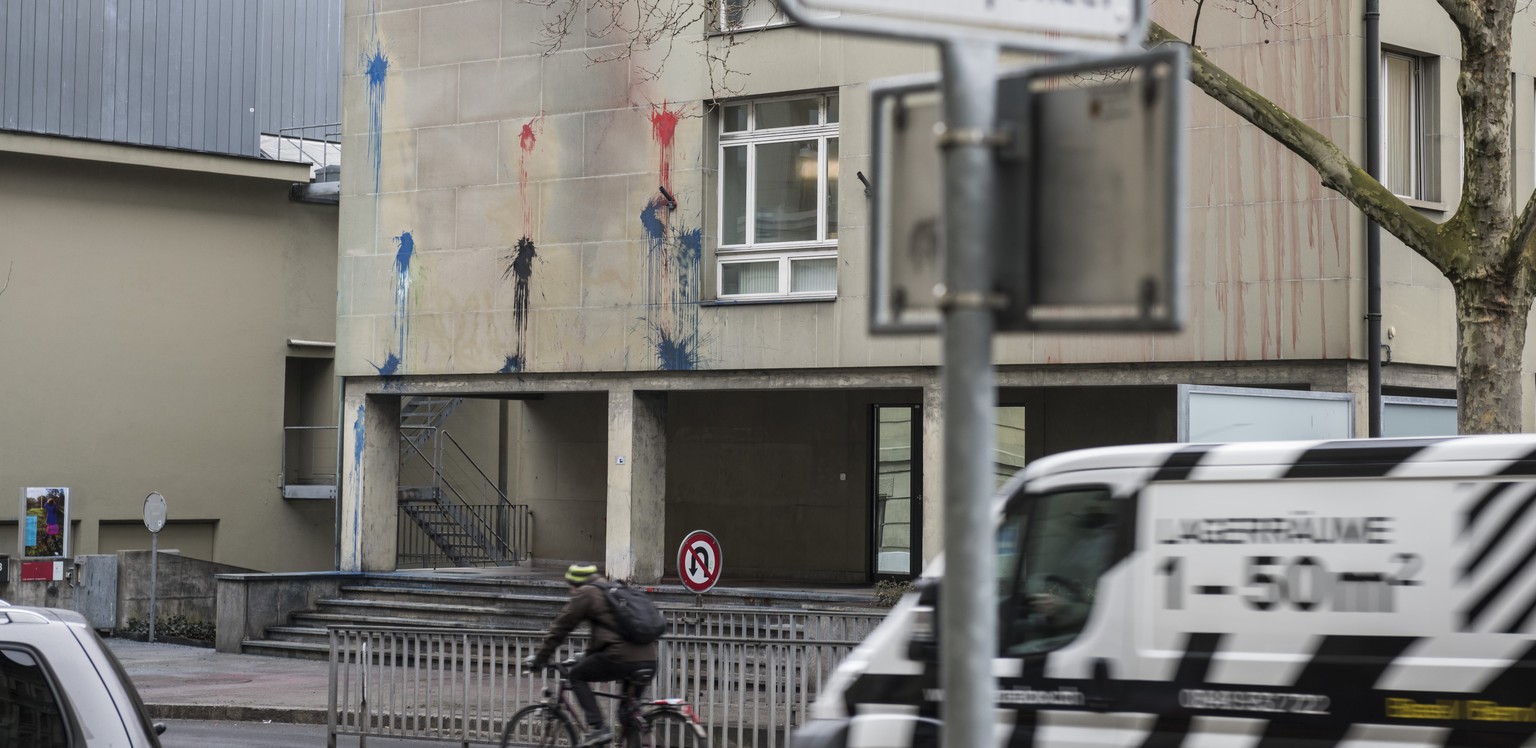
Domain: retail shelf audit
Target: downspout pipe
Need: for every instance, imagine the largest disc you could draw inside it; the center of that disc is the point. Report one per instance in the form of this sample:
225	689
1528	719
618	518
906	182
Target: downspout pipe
1373	148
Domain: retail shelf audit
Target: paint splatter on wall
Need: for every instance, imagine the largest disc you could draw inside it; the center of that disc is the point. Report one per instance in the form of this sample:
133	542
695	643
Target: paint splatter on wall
673	263
663	131
520	271
376	70
519	261
359	440
405	252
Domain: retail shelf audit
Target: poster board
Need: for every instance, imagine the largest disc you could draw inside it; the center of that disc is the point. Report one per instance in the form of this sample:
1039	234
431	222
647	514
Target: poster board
44	524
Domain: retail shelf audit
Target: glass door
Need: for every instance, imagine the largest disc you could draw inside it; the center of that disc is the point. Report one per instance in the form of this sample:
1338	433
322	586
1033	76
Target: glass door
896	531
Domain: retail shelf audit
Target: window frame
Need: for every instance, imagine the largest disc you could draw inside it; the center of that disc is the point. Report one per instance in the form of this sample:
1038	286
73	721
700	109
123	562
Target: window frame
827	131
720	23
1424	172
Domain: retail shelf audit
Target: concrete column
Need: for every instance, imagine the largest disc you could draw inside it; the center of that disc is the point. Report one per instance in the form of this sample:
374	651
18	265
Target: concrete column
1357	383
933	471
370	481
637	482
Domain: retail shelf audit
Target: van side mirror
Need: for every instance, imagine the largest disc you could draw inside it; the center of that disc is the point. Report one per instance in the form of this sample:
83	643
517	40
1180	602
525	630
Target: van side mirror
924	644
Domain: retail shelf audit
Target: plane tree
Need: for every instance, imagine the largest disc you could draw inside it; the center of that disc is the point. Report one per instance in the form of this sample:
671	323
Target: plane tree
1484	249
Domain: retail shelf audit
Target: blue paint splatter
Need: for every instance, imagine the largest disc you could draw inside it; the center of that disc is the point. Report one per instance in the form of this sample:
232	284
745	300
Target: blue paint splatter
520	270
672	288
390	368
376	69
651	221
407	249
359	439
675	355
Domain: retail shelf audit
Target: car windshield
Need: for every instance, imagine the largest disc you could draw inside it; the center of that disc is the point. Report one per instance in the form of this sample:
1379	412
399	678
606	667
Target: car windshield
1052	549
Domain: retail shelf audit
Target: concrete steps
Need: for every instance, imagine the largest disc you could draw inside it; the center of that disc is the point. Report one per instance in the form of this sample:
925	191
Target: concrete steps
454	600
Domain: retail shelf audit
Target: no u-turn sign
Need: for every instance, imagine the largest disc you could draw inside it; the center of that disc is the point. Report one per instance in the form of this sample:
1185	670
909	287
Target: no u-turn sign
698	561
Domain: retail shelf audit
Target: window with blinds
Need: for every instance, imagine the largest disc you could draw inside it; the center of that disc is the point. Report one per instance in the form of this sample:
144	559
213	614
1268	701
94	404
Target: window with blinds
1410	163
737	15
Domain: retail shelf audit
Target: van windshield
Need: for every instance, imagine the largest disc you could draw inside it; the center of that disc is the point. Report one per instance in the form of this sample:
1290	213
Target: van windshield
1052	549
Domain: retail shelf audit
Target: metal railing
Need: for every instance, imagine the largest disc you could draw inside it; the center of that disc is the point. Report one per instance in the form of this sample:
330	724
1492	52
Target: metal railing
449	485
759	624
309	456
460	685
317	145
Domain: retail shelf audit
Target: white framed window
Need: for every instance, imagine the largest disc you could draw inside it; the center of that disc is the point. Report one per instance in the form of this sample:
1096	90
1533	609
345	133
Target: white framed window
1410	164
739	15
778	197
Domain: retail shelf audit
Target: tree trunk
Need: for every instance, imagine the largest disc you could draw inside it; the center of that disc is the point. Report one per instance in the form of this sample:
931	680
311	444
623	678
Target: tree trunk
1490	340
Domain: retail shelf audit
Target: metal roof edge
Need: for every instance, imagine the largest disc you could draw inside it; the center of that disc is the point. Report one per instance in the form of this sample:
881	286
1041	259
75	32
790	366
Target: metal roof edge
151	156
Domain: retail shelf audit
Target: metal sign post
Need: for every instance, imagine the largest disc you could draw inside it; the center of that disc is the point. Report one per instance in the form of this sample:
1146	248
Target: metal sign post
967	615
971	34
154	520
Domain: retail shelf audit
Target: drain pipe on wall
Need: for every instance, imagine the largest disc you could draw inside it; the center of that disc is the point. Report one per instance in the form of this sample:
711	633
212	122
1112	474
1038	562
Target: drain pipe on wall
1373	231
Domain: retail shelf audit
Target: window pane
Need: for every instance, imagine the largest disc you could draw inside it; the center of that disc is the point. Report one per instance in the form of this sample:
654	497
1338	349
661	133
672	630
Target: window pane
790	113
786	192
1398	96
28	708
1070	543
733	200
735	117
731	13
813	276
749	277
832	109
832	172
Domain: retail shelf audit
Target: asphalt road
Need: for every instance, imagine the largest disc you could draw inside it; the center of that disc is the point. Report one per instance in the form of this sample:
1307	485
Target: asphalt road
181	733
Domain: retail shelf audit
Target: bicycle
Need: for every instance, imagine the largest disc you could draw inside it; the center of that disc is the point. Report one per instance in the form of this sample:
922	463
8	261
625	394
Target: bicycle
658	723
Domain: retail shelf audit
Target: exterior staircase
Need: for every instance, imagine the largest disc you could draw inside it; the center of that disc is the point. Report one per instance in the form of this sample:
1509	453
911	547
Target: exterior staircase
486	602
420	416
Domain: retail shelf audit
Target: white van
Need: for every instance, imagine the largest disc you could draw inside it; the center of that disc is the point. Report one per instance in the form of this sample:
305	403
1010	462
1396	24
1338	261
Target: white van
1361	593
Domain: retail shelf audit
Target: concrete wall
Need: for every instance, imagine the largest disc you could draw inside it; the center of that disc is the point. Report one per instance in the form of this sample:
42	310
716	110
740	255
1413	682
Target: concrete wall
186	587
480	146
148	297
248	603
561	448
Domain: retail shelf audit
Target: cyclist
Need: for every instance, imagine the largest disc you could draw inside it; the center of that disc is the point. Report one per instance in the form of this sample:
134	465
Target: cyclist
608	656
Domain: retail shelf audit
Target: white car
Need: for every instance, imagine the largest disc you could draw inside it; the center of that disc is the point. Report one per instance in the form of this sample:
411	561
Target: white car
61	686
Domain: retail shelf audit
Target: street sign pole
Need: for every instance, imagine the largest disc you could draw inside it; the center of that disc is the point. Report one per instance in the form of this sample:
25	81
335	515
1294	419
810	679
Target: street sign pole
967	607
154	521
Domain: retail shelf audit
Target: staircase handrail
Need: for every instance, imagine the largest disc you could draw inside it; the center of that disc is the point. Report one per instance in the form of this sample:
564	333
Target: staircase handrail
455	442
496	552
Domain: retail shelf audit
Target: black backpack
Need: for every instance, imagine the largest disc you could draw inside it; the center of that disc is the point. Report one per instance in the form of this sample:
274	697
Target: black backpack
636	619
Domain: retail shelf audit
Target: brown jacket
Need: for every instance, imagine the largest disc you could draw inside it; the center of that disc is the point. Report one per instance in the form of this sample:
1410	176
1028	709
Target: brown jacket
589	603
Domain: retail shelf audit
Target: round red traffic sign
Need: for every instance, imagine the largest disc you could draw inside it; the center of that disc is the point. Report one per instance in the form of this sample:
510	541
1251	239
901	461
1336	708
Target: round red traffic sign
698	561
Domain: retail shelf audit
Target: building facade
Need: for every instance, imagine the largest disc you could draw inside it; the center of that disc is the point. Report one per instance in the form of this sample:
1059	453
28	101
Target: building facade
658	258
166	308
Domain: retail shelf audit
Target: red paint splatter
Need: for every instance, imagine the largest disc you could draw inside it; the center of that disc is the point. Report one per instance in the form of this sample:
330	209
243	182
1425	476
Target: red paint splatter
525	142
663	129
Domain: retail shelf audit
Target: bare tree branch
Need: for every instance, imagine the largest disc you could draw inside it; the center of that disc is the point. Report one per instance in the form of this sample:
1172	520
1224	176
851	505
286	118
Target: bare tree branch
646	26
1339	172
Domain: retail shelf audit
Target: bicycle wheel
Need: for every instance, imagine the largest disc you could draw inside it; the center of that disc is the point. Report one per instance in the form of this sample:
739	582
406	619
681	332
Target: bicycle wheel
539	725
669	729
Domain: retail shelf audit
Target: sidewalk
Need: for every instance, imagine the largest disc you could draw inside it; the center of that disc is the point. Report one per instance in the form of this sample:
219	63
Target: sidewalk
180	682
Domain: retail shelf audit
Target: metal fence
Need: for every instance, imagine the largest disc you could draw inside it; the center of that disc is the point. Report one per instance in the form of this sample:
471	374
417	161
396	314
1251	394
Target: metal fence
461	685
